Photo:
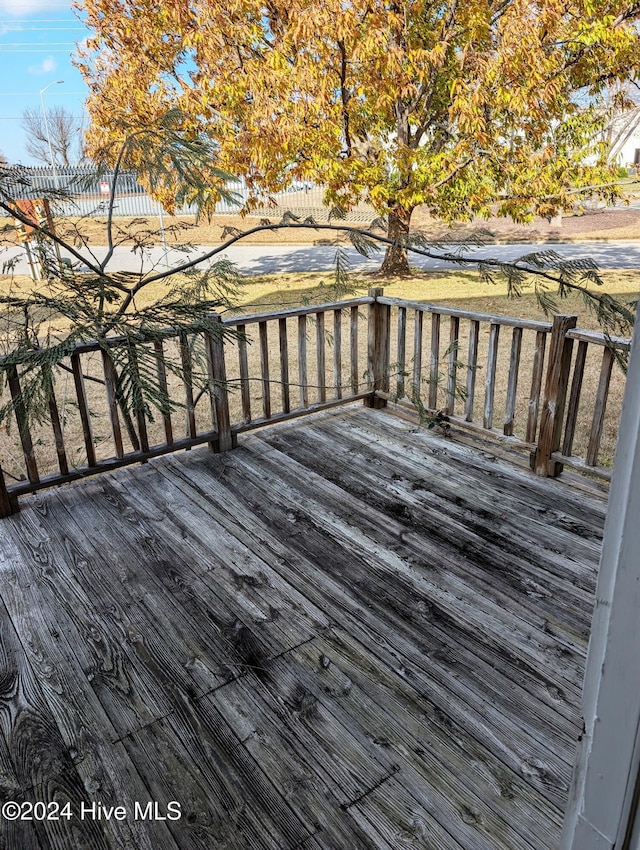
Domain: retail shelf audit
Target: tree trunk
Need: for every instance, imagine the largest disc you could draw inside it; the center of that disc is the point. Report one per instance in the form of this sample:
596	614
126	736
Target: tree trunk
396	261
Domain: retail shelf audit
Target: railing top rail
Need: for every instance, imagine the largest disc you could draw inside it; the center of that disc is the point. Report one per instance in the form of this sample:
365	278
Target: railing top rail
250	318
230	321
511	321
598	338
92	345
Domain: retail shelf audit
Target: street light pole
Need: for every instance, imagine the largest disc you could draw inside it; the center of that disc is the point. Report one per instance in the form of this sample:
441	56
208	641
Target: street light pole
46	129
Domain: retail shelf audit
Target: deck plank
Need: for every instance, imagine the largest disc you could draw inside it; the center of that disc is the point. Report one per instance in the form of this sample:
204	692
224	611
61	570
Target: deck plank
364	602
347	633
411	509
42	763
56	652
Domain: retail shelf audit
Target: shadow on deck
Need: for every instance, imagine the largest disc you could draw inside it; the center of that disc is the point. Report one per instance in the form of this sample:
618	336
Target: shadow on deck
347	634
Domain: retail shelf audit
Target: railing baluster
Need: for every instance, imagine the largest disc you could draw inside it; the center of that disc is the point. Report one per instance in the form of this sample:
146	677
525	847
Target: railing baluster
161	369
138	406
8	505
434	366
512	385
353	342
490	382
302	361
337	352
472	368
402	351
187	372
555	395
264	370
58	437
23	425
417	356
284	365
574	398
454	333
245	390
320	358
83	408
602	395
218	392
112	401
536	386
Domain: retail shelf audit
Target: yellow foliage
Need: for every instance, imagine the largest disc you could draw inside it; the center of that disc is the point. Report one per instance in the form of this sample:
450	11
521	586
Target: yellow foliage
458	105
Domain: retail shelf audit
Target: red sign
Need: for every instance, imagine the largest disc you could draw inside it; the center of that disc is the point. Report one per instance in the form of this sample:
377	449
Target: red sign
104	187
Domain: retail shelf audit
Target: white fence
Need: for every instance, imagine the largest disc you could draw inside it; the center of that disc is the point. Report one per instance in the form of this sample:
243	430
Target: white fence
89	195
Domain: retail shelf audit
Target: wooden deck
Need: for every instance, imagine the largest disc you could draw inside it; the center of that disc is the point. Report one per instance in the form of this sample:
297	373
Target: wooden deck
347	634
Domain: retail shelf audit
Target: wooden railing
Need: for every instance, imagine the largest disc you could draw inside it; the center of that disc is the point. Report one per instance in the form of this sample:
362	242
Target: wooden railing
429	362
464	371
250	381
451	365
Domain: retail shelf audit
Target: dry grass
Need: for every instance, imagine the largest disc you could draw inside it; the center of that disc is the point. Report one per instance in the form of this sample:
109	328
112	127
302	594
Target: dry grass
461	290
587	224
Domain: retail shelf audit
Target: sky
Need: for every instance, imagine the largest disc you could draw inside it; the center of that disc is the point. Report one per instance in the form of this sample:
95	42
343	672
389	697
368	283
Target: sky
37	40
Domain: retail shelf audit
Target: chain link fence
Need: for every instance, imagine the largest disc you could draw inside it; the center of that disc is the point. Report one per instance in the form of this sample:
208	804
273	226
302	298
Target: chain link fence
89	196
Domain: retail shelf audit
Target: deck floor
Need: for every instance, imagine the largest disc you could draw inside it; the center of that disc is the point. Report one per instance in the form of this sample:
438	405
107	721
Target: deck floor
347	634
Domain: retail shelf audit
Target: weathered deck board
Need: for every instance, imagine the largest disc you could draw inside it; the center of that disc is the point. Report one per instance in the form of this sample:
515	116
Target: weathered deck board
348	634
413	500
387	613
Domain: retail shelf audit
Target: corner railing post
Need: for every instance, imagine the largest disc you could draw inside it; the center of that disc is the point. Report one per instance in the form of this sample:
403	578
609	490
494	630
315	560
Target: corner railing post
555	393
218	388
378	349
8	505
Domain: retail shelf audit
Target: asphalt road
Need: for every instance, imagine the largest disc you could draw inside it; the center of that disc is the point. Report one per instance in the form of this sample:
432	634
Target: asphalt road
268	259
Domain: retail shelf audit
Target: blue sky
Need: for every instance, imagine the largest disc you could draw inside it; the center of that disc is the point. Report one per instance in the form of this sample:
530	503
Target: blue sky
37	41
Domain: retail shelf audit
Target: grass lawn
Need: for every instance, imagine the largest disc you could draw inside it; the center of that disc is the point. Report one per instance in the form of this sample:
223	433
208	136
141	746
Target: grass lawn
464	290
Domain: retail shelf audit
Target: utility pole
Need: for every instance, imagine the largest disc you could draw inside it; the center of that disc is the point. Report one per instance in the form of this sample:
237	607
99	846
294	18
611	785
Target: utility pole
46	129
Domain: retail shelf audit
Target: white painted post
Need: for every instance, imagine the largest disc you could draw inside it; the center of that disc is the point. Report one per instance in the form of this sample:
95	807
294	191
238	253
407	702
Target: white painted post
603	802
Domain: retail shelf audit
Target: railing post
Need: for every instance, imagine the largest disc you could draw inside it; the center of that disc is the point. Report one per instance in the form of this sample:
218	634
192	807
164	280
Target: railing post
378	349
8	505
218	387
555	393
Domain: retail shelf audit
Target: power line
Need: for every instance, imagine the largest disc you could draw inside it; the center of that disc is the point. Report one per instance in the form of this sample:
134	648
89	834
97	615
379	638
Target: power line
46	29
21	117
35	93
33	21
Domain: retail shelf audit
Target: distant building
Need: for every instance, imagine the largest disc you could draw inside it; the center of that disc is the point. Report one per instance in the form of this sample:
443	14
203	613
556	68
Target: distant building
623	135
